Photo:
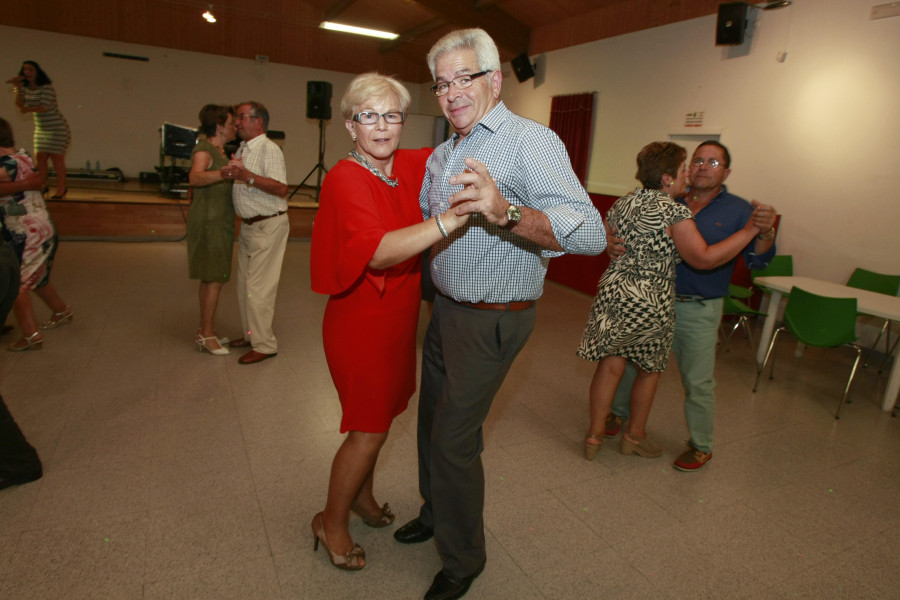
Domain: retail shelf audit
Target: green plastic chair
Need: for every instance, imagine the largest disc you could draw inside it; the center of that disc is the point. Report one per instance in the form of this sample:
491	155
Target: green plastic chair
882	284
734	306
818	321
781	265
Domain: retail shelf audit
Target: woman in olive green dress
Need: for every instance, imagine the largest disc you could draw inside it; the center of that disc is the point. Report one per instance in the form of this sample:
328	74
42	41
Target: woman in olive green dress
210	223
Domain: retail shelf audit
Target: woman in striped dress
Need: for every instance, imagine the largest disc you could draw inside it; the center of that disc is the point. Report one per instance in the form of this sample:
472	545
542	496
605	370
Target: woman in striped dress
35	94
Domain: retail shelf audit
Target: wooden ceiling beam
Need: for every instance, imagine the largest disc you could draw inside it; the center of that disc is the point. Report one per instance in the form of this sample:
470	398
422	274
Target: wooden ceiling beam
337	8
411	34
508	33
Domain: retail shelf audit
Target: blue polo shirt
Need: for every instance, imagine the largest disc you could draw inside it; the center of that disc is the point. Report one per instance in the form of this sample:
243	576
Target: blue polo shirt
719	219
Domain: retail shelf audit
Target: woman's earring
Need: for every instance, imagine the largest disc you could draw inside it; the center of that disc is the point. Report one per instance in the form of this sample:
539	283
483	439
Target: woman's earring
354	137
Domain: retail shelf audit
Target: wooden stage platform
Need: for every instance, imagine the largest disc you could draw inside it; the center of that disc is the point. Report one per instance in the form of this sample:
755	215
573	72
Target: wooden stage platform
109	209
132	211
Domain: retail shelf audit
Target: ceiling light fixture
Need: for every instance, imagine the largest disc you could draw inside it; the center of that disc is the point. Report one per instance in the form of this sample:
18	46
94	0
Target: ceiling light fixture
209	16
776	4
386	35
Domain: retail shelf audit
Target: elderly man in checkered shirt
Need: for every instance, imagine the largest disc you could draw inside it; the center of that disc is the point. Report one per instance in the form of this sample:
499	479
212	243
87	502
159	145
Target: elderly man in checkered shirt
527	206
260	187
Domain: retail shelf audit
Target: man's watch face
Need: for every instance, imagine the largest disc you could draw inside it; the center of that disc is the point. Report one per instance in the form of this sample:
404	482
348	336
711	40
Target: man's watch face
513	214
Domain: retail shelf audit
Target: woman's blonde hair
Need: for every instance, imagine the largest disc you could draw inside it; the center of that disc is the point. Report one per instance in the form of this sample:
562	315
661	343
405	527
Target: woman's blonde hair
373	85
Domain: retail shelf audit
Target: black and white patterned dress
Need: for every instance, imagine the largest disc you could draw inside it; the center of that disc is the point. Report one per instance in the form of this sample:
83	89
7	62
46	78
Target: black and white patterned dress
633	314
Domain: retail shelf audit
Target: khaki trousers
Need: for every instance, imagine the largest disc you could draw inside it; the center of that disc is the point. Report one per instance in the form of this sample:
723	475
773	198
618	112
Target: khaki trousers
260	254
694	346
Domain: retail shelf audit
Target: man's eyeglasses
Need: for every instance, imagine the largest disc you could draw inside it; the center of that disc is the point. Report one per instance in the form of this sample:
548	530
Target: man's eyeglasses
712	163
370	118
461	82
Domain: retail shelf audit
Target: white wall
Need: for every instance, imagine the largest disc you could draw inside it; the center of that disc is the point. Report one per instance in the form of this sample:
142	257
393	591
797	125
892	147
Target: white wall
818	135
115	107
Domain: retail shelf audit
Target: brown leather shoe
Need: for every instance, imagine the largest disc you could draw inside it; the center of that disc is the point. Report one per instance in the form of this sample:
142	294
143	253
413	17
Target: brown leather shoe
692	459
239	343
254	357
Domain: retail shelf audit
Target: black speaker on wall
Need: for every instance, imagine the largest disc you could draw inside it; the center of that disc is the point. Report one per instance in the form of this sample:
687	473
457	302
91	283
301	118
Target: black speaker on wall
523	67
731	24
318	100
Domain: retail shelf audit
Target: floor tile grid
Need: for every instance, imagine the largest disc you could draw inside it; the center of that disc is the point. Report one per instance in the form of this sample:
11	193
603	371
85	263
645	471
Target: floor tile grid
231	464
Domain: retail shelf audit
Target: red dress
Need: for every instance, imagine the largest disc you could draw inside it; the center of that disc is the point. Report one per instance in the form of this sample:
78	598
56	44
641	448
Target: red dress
370	323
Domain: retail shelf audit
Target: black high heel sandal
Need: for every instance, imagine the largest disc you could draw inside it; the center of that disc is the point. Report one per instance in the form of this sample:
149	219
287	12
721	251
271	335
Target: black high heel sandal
59	196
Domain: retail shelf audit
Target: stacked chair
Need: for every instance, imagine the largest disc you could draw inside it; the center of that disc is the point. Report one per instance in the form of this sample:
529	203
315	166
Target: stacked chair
780	265
734	306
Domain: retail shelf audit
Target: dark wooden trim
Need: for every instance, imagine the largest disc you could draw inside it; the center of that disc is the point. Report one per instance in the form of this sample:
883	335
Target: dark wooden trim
144	220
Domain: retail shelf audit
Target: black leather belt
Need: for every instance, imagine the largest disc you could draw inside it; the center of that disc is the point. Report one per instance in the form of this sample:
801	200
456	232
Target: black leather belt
697	299
259	218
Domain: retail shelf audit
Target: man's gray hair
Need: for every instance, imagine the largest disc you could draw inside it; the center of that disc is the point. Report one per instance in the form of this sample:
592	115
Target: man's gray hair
474	39
257	109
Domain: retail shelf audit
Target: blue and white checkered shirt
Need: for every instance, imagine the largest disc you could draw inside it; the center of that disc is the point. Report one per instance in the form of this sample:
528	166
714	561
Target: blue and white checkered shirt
482	262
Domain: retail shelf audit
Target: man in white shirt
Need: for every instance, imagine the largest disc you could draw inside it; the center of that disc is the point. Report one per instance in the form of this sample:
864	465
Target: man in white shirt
260	187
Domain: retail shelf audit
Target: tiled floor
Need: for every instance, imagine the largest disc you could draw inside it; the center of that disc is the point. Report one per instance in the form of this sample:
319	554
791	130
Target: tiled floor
175	474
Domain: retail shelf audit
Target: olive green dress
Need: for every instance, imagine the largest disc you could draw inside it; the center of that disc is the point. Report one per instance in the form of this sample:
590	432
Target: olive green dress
210	225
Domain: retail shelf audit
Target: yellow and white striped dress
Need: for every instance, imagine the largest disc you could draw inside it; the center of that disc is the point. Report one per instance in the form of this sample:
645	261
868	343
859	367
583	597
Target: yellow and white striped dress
51	131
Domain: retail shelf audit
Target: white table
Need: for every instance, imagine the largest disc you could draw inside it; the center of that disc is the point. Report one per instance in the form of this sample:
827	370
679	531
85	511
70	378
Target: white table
870	303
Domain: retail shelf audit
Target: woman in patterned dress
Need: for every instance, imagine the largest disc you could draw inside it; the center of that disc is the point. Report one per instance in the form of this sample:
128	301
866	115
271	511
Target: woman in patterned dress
210	222
633	314
34	94
27	226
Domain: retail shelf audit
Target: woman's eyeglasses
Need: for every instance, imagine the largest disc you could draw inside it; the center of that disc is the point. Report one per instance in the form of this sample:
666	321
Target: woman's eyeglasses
370	118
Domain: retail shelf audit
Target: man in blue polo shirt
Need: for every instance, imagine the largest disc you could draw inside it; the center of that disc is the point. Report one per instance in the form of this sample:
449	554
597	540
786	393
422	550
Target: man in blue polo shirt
699	298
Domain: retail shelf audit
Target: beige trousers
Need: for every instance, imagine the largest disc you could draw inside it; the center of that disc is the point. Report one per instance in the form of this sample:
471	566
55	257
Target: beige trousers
260	254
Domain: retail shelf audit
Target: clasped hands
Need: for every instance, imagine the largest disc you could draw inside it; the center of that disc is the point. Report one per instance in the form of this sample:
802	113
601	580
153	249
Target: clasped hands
479	194
763	216
235	170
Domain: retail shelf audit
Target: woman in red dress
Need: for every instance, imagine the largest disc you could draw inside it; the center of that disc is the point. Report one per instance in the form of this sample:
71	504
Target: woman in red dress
367	239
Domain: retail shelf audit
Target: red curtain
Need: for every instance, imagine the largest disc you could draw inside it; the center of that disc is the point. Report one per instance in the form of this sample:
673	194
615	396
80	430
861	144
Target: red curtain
571	119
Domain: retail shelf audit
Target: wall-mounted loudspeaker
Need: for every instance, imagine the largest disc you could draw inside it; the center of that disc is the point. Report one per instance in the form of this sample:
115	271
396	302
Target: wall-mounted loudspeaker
523	68
318	100
731	24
